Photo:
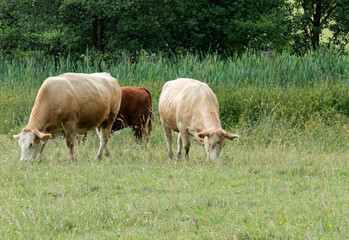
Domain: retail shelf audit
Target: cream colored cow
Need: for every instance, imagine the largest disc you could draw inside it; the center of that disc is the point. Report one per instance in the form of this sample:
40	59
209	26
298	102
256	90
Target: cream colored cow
191	108
73	103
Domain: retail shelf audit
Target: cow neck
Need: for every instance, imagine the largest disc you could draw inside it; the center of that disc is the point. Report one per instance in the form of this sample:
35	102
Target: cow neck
38	119
211	120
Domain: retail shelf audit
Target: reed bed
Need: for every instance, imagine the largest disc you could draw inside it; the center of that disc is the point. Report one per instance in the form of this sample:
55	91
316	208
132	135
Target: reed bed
249	86
269	68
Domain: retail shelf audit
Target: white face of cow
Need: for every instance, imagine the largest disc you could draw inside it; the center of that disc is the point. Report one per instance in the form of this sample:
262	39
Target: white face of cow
31	143
213	146
214	141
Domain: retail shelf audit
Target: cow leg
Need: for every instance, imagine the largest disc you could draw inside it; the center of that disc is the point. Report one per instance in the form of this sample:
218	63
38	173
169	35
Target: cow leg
186	144
146	120
104	134
70	144
180	144
137	132
70	132
168	138
108	126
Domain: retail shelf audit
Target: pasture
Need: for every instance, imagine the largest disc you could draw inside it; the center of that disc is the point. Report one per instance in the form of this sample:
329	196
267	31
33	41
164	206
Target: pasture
286	177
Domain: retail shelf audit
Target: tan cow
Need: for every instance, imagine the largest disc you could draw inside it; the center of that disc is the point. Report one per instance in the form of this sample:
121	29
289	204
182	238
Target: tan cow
191	108
73	103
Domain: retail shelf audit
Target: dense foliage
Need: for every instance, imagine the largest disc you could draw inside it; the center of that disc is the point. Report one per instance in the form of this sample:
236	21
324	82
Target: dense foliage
312	17
72	26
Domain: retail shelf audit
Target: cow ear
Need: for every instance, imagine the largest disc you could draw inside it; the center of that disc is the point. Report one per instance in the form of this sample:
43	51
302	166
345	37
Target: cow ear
230	136
43	136
17	136
203	134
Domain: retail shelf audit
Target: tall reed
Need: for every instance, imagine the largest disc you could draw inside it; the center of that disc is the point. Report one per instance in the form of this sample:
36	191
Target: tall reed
269	68
249	87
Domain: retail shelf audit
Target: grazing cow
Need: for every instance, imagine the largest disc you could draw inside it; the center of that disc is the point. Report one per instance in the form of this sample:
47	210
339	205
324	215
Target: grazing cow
135	111
191	108
73	103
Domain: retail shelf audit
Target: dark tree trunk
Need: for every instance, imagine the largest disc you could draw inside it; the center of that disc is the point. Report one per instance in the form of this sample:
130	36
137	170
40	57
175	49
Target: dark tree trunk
316	28
98	33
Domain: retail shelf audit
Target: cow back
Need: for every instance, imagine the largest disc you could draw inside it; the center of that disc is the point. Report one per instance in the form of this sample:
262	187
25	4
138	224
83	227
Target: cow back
86	99
188	102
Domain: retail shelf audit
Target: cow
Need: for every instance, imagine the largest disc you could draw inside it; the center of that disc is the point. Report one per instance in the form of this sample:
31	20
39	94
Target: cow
190	107
135	111
73	103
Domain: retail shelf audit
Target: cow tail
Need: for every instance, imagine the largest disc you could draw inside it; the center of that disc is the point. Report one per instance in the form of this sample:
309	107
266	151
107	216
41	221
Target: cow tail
150	127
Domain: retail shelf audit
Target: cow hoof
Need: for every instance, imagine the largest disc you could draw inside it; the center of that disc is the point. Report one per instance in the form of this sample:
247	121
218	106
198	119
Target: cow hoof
170	155
179	156
72	157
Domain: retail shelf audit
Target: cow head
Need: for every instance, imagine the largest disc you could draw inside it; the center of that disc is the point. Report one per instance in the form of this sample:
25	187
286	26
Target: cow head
31	141
213	141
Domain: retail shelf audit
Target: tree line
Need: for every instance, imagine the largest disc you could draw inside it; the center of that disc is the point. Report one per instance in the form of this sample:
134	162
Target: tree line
111	26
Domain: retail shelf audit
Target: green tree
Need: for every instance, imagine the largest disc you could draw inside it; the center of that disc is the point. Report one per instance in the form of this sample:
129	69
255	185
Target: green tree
87	20
204	25
112	26
315	15
340	25
29	25
254	24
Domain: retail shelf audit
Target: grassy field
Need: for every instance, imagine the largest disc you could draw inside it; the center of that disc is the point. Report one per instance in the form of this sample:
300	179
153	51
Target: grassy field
286	177
282	190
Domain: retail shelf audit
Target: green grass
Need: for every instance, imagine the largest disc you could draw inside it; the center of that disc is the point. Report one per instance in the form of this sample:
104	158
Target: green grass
286	177
286	189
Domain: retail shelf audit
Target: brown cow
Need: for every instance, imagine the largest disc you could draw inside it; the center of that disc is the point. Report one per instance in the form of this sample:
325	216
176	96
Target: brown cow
191	108
135	111
73	103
